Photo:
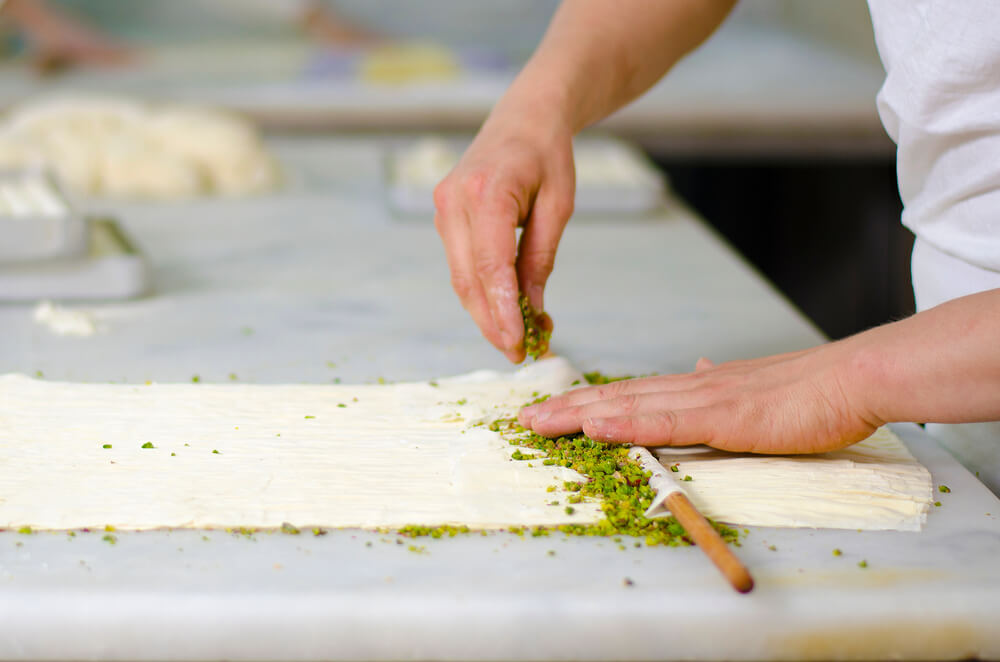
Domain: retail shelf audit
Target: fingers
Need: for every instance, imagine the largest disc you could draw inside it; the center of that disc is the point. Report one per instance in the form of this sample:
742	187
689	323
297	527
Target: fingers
606	391
536	255
571	419
454	231
703	364
682	427
492	225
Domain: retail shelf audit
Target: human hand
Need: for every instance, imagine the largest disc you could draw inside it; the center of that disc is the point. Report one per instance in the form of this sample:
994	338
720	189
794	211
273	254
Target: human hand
801	402
518	172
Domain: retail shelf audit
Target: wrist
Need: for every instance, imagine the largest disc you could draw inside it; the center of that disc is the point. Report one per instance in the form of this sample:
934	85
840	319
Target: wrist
867	378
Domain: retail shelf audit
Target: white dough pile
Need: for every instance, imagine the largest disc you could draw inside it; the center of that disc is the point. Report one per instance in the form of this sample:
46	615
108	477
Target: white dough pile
230	455
121	148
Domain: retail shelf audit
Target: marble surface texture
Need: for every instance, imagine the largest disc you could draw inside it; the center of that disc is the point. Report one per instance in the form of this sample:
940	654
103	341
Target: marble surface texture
322	282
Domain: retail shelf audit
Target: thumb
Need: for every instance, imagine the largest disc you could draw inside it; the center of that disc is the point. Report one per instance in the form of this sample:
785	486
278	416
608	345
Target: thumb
536	254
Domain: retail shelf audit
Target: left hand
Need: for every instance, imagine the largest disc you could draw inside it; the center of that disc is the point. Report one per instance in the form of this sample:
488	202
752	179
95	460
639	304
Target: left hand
791	403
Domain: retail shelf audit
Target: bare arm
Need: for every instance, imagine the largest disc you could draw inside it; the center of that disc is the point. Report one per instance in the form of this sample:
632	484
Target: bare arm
596	56
941	366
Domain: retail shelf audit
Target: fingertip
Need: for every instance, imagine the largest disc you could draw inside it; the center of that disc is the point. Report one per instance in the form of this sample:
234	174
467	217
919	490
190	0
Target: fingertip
703	364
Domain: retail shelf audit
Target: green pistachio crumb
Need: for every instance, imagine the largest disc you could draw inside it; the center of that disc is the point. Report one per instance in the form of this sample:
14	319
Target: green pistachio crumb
342	405
173	455
148	444
536	336
462	401
674	468
862	564
433	383
195	379
944	489
307	417
687	479
319	532
772	548
550	488
937	504
109	538
109	528
215	452
106	446
233	377
837	552
26	530
570	510
289	528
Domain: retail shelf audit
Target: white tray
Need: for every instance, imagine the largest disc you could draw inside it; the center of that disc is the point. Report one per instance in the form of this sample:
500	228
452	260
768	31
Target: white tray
110	269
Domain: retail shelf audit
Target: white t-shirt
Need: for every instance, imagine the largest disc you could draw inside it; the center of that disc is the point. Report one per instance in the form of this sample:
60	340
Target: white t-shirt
941	105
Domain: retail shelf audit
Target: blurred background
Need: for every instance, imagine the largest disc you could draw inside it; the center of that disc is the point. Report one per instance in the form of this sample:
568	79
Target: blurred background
769	131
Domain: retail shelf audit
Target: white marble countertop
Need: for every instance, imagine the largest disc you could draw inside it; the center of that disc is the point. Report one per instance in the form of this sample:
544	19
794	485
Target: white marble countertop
274	288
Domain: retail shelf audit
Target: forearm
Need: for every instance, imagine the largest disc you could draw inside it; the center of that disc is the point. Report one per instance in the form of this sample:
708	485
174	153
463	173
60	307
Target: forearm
598	55
941	365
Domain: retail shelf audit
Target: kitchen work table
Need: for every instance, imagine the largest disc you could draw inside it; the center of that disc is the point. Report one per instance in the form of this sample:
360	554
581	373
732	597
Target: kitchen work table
323	282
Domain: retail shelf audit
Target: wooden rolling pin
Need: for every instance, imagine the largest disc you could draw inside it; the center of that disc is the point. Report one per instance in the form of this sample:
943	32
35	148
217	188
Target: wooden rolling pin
704	535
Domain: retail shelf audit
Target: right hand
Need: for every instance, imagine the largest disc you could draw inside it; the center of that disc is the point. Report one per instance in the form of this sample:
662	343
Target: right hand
517	172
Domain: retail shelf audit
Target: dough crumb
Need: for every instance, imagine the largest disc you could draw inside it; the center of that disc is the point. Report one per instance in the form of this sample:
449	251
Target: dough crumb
65	321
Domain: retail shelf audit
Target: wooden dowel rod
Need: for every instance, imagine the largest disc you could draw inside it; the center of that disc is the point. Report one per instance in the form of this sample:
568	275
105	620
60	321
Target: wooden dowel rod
709	541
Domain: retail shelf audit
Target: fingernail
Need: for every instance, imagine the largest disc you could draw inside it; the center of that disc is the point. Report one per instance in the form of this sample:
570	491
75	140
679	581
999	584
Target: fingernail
541	417
507	339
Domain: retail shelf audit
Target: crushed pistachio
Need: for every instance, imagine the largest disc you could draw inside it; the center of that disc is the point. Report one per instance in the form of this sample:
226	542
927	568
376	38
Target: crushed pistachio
215	452
536	335
570	510
342	405
687	479
109	538
26	530
862	564
944	489
148	444
233	377
106	446
290	529
937	504
308	417
195	379
837	552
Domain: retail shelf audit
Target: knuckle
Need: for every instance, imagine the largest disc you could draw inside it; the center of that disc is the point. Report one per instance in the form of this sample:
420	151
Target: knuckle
442	194
665	423
561	207
463	285
490	268
626	404
611	391
541	260
474	184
